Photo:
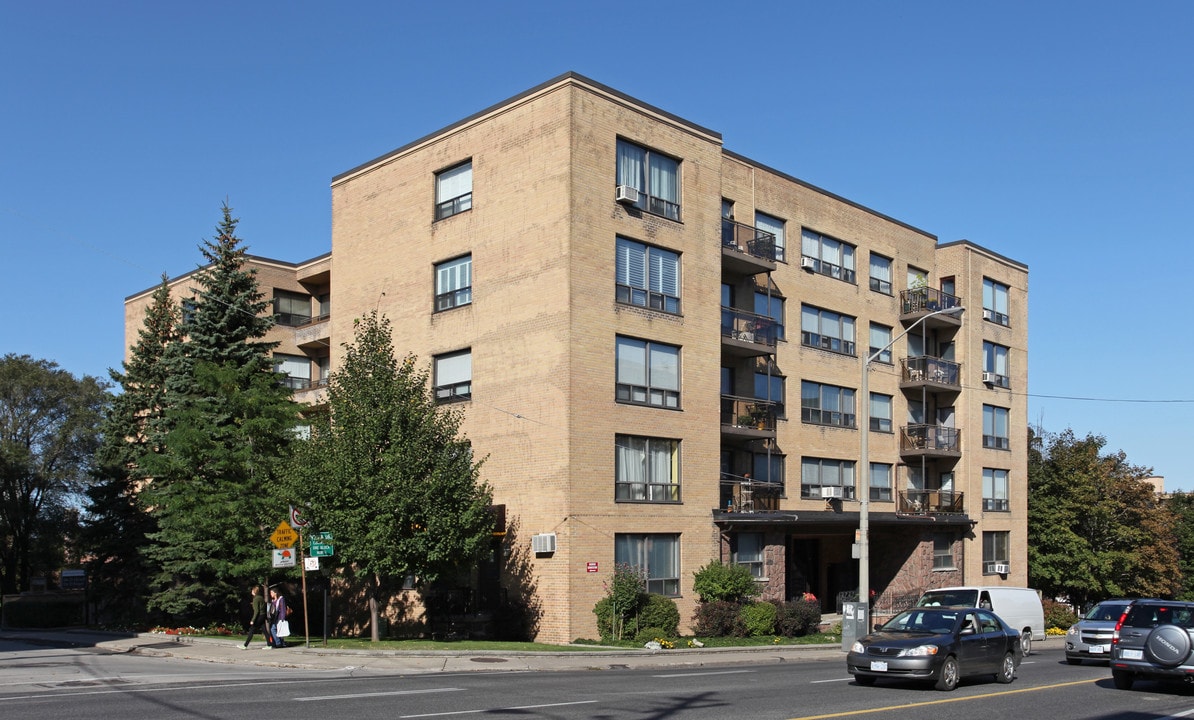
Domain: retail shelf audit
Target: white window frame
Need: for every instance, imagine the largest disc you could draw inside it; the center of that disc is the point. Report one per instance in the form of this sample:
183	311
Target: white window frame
454	283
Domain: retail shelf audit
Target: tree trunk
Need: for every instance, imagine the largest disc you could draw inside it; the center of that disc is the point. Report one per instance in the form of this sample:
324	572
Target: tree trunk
373	614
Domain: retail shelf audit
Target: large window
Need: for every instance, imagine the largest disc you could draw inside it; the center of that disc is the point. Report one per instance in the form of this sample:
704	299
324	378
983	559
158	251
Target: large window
655	177
826	404
995	550
995	371
771	306
454	283
748	552
880	482
454	376
647	469
881	413
454	190
995	301
770	387
995	490
995	428
817	473
826	330
830	256
295	369
658	555
768	469
292	308
775	226
880	345
648	373
647	276
881	274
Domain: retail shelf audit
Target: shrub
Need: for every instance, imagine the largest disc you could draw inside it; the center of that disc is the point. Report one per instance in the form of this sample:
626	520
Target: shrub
625	594
797	618
1058	615
658	611
720	581
720	618
759	619
647	634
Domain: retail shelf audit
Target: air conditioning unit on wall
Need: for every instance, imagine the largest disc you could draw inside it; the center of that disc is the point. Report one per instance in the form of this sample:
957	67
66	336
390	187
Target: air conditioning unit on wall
831	491
808	263
626	194
543	543
999	568
990	378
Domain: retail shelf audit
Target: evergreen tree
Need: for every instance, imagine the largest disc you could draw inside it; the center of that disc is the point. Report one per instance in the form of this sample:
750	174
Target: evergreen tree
116	527
385	471
214	451
1095	530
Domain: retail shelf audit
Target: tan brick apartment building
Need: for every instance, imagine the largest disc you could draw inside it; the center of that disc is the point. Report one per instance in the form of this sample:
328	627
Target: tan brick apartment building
659	344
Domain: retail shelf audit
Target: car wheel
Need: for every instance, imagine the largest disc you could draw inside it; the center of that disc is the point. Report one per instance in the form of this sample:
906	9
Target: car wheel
949	673
1122	680
1007	670
864	680
1026	641
1074	661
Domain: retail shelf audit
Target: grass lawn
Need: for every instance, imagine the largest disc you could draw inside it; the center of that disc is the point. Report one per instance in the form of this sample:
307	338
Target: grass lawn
578	646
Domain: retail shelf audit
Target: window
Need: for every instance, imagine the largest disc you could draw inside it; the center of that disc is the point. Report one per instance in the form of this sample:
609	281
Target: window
454	190
826	404
881	274
880	482
826	330
995	428
995	550
325	306
748	552
767	469
830	256
454	283
995	364
817	473
324	366
646	469
995	490
454	376
775	226
771	306
655	176
880	346
296	370
292	308
658	555
770	387
943	551
647	276
880	412
648	373
995	301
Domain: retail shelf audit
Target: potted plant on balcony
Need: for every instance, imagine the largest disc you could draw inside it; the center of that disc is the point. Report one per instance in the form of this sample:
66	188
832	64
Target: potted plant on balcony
746	420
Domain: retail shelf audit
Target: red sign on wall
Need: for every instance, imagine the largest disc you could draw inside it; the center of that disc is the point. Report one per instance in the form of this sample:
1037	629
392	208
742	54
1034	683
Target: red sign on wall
591	567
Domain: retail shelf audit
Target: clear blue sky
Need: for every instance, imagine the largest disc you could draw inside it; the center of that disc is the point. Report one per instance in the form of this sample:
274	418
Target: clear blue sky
1056	133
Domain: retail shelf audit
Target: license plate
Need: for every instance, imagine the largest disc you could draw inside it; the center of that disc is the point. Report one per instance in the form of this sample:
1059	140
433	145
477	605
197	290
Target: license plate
1098	649
1128	654
878	666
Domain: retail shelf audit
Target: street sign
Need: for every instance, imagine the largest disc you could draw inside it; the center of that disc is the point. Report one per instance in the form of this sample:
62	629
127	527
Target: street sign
284	557
311	564
284	536
321	549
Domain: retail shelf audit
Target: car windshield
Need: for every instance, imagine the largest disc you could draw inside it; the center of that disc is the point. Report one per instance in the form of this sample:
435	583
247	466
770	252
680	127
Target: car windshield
1105	611
949	598
938	622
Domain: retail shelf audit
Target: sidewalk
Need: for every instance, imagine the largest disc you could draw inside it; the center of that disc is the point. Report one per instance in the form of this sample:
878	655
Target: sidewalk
416	661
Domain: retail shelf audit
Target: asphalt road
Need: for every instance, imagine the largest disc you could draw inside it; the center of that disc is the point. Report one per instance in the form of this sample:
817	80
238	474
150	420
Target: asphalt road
76	683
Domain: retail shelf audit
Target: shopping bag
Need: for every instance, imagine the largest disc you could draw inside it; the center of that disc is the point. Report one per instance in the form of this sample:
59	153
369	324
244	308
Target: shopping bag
283	628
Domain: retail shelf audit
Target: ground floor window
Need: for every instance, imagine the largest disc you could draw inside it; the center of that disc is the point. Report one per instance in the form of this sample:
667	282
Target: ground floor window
748	551
995	550
943	551
657	554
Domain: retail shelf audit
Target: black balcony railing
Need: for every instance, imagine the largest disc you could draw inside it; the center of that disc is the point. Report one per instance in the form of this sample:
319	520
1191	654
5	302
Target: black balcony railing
750	413
931	501
930	439
749	240
931	369
927	299
749	327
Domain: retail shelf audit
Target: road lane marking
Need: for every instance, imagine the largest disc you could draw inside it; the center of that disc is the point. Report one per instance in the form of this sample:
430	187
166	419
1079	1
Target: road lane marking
984	696
349	696
489	710
703	674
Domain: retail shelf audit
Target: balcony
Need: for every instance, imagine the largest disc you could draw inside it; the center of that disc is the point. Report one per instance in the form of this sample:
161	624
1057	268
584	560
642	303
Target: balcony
918	302
746	250
937	502
747	334
930	373
315	333
748	417
930	441
741	494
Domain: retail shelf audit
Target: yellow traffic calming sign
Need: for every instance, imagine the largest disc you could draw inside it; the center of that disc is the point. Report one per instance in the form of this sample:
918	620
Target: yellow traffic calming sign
284	536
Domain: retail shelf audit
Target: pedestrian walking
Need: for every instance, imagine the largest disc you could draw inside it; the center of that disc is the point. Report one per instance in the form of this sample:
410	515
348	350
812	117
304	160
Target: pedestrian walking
257	622
277	613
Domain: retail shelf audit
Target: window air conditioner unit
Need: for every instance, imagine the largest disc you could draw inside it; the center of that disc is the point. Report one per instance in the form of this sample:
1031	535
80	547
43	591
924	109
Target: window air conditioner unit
830	492
1001	568
808	263
626	194
988	314
990	378
543	543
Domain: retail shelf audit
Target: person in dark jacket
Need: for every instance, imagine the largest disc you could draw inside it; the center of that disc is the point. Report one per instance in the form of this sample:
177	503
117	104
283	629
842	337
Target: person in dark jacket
276	613
257	622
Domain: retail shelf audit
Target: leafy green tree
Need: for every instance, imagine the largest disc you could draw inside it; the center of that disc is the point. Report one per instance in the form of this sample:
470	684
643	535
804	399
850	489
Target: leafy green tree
1095	530
385	471
49	428
116	527
1182	506
215	450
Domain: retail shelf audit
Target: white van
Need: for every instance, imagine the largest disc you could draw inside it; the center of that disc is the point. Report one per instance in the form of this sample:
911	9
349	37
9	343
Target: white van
1017	606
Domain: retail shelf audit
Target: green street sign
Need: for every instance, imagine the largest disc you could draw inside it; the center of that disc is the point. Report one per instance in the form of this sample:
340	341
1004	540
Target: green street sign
321	549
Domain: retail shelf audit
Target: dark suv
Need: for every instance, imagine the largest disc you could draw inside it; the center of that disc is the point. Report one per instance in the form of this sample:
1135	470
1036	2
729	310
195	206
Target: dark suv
1153	641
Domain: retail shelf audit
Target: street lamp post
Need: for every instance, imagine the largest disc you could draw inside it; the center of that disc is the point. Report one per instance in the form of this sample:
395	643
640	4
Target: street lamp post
864	514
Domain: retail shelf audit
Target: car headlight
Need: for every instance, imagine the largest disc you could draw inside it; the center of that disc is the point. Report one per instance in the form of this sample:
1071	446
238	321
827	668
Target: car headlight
1072	631
919	651
857	647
